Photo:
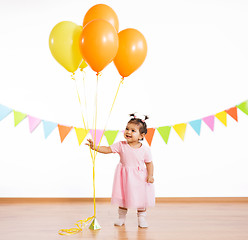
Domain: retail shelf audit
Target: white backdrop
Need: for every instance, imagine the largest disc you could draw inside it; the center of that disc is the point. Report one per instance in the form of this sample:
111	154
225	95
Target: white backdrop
196	66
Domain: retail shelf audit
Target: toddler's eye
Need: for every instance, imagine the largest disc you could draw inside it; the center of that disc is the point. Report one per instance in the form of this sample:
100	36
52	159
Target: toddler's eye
126	128
133	130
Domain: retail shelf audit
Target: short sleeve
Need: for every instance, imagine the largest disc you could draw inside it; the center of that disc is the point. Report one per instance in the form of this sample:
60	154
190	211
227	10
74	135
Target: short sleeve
116	147
148	155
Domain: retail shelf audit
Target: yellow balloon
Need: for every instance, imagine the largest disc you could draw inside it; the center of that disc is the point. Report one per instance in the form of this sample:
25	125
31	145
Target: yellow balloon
64	45
83	65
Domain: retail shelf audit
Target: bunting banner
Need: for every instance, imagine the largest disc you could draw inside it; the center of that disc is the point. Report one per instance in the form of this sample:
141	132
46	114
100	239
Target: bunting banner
196	125
33	123
48	127
110	135
81	134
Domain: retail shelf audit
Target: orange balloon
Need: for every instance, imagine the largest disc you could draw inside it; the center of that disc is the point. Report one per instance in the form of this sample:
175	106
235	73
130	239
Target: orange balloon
131	53
102	11
98	44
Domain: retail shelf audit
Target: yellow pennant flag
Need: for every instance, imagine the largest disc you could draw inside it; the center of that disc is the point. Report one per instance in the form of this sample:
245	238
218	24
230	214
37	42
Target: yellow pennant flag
81	134
222	117
180	129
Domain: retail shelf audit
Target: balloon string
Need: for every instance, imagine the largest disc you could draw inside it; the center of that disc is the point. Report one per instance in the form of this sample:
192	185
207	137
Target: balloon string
80	225
94	159
73	76
80	102
85	100
94	122
121	82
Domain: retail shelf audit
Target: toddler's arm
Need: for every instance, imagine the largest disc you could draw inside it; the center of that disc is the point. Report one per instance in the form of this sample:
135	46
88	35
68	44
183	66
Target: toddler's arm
149	167
100	149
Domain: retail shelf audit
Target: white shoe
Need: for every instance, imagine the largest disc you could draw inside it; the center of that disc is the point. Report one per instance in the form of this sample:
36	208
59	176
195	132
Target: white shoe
122	217
142	220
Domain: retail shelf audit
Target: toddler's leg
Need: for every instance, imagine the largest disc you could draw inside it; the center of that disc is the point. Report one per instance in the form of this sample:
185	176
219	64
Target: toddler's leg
122	217
141	213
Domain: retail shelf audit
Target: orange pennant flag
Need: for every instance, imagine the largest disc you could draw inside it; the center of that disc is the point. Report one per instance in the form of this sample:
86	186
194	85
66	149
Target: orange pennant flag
149	135
63	131
222	117
233	113
180	129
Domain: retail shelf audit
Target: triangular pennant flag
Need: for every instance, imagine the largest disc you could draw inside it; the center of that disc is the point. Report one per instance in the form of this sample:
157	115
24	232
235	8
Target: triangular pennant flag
149	135
222	117
18	117
48	127
233	113
4	111
164	132
63	131
209	121
33	123
111	136
243	107
96	134
196	125
81	134
180	129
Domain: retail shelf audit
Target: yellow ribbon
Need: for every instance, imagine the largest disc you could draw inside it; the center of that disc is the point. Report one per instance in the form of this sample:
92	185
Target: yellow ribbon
73	76
82	223
121	82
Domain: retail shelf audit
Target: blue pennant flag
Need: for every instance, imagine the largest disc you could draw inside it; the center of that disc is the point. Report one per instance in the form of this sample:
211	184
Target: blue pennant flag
4	111
196	125
48	127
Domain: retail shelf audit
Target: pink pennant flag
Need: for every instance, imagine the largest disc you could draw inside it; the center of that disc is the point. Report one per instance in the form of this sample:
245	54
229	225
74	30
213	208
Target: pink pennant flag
209	121
33	123
98	136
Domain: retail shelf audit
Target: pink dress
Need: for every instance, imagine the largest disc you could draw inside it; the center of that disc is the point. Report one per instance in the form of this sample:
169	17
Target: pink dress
130	187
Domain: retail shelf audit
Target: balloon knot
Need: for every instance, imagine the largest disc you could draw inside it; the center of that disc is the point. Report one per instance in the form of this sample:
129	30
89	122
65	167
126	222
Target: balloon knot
99	74
122	80
73	76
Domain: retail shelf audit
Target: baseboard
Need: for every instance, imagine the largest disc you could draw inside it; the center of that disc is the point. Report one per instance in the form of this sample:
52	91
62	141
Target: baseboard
105	200
202	199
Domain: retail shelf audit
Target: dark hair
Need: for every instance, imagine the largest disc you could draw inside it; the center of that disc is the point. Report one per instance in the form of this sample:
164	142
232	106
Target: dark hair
141	123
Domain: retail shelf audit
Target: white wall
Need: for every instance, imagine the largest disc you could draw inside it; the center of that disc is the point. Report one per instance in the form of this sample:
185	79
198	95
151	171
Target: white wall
196	66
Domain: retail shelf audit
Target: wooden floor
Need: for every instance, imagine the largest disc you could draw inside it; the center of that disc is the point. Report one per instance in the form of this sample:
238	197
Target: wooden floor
168	221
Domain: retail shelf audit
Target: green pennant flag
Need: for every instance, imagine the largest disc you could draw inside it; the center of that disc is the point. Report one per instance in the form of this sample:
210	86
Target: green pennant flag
111	136
243	107
164	132
18	117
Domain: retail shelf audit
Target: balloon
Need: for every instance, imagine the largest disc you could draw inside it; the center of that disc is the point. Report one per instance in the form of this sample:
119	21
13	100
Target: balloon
83	65
64	45
131	53
98	44
102	11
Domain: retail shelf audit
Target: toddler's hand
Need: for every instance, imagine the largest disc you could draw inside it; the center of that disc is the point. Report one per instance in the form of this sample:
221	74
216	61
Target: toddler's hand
90	144
150	179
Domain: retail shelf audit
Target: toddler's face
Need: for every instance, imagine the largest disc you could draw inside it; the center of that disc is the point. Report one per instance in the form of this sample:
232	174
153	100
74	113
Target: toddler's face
132	133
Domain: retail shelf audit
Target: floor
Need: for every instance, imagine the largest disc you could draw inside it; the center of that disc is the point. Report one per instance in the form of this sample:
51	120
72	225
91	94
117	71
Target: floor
172	221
